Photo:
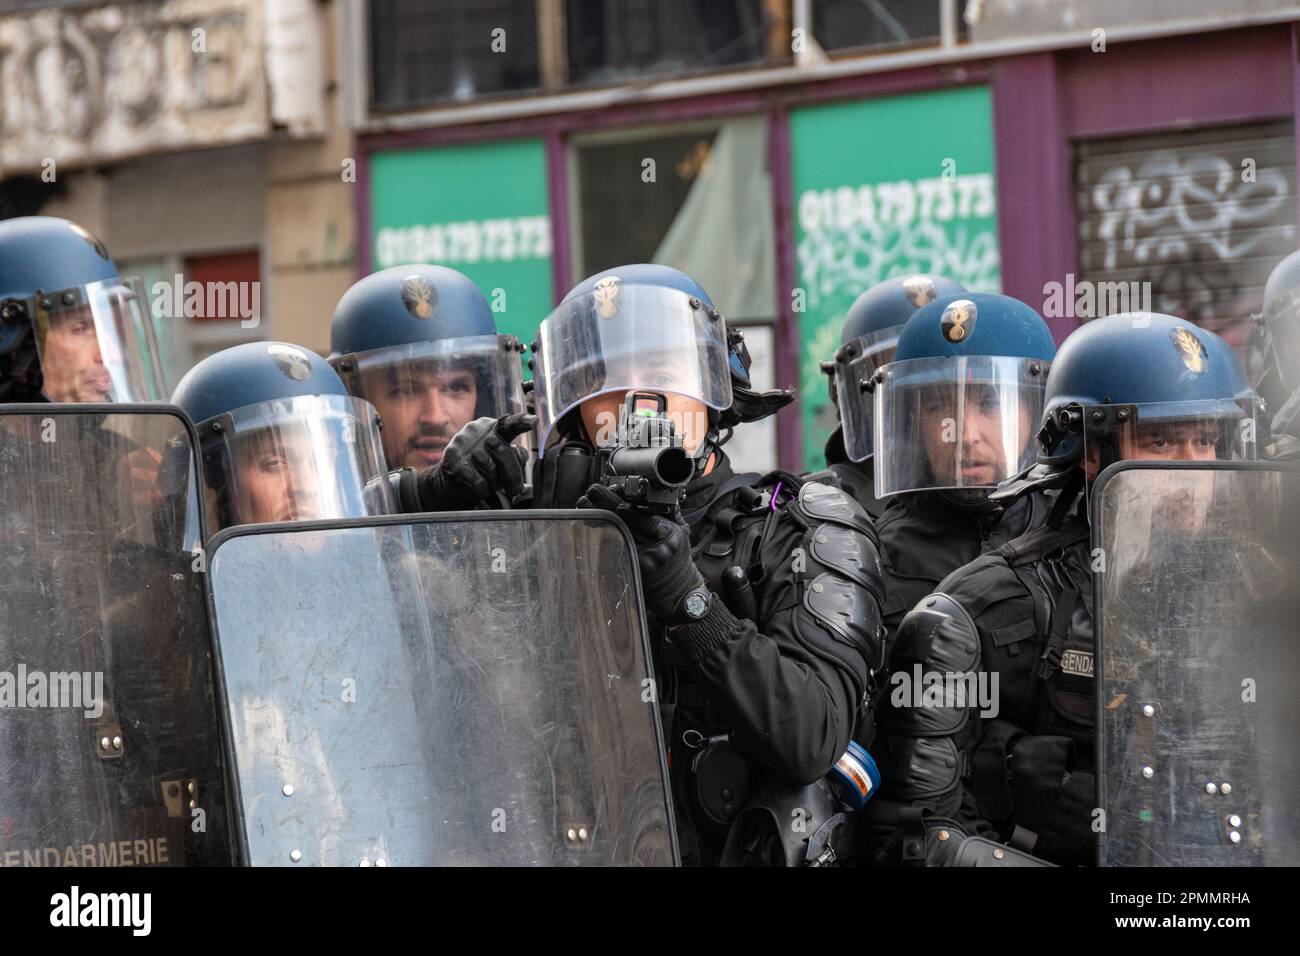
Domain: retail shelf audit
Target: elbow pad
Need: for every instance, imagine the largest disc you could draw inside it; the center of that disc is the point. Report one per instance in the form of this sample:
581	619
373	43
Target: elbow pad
917	749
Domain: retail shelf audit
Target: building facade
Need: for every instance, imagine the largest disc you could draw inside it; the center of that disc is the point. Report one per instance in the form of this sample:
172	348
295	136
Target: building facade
202	141
1086	156
790	154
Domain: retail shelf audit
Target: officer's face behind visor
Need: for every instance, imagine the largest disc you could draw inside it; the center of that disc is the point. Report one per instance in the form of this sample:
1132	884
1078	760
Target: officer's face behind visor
301	459
96	343
1175	500
971	420
1162	441
620	338
427	392
422	407
1167	431
972	431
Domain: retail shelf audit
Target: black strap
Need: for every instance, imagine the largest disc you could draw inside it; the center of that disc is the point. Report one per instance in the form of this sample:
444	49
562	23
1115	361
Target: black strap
753	562
728	486
911	821
1058	631
1065	500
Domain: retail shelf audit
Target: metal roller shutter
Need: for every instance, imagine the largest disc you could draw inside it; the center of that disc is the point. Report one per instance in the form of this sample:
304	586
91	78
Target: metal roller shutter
1176	210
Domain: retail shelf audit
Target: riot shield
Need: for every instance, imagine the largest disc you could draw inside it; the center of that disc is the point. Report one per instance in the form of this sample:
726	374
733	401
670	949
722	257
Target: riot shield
462	689
109	746
1198	668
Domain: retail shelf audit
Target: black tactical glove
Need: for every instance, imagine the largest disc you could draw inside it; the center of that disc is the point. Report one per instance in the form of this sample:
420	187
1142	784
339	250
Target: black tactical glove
478	461
663	549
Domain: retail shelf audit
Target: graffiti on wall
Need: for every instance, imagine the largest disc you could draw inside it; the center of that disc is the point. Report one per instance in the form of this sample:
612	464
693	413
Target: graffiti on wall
87	84
1194	227
883	187
850	238
854	238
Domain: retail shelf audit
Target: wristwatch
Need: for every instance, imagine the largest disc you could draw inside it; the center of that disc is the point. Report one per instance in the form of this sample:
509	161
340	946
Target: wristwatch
694	605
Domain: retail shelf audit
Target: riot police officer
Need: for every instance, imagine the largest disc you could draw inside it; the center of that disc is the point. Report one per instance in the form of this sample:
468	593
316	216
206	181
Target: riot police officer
955	414
1012	754
868	340
1280	384
71	328
764	592
419	342
282	439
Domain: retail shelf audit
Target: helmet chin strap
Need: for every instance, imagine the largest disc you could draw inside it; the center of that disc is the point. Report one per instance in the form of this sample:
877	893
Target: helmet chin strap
712	443
974	500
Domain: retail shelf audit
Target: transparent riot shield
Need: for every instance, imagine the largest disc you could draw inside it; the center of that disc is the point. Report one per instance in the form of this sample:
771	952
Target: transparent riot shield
462	689
1198	672
109	736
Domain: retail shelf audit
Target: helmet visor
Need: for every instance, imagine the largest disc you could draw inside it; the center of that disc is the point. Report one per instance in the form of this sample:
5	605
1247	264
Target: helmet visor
955	422
855	366
96	343
305	458
427	391
1282	316
621	338
1204	430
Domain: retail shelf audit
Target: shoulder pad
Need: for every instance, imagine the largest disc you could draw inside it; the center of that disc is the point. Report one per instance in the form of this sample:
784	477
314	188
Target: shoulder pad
936	637
848	611
939	635
819	502
851	553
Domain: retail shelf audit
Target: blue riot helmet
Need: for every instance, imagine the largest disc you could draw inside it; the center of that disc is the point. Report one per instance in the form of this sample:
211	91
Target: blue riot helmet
747	405
644	273
652	327
281	439
1142	385
957	407
868	340
420	343
71	328
626	336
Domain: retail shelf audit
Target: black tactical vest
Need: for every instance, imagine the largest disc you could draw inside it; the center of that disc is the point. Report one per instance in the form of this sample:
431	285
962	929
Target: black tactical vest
1030	769
924	538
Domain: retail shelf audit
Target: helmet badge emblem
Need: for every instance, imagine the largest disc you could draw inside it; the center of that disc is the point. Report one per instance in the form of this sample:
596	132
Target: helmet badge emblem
292	362
958	320
419	296
606	296
1190	350
919	290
